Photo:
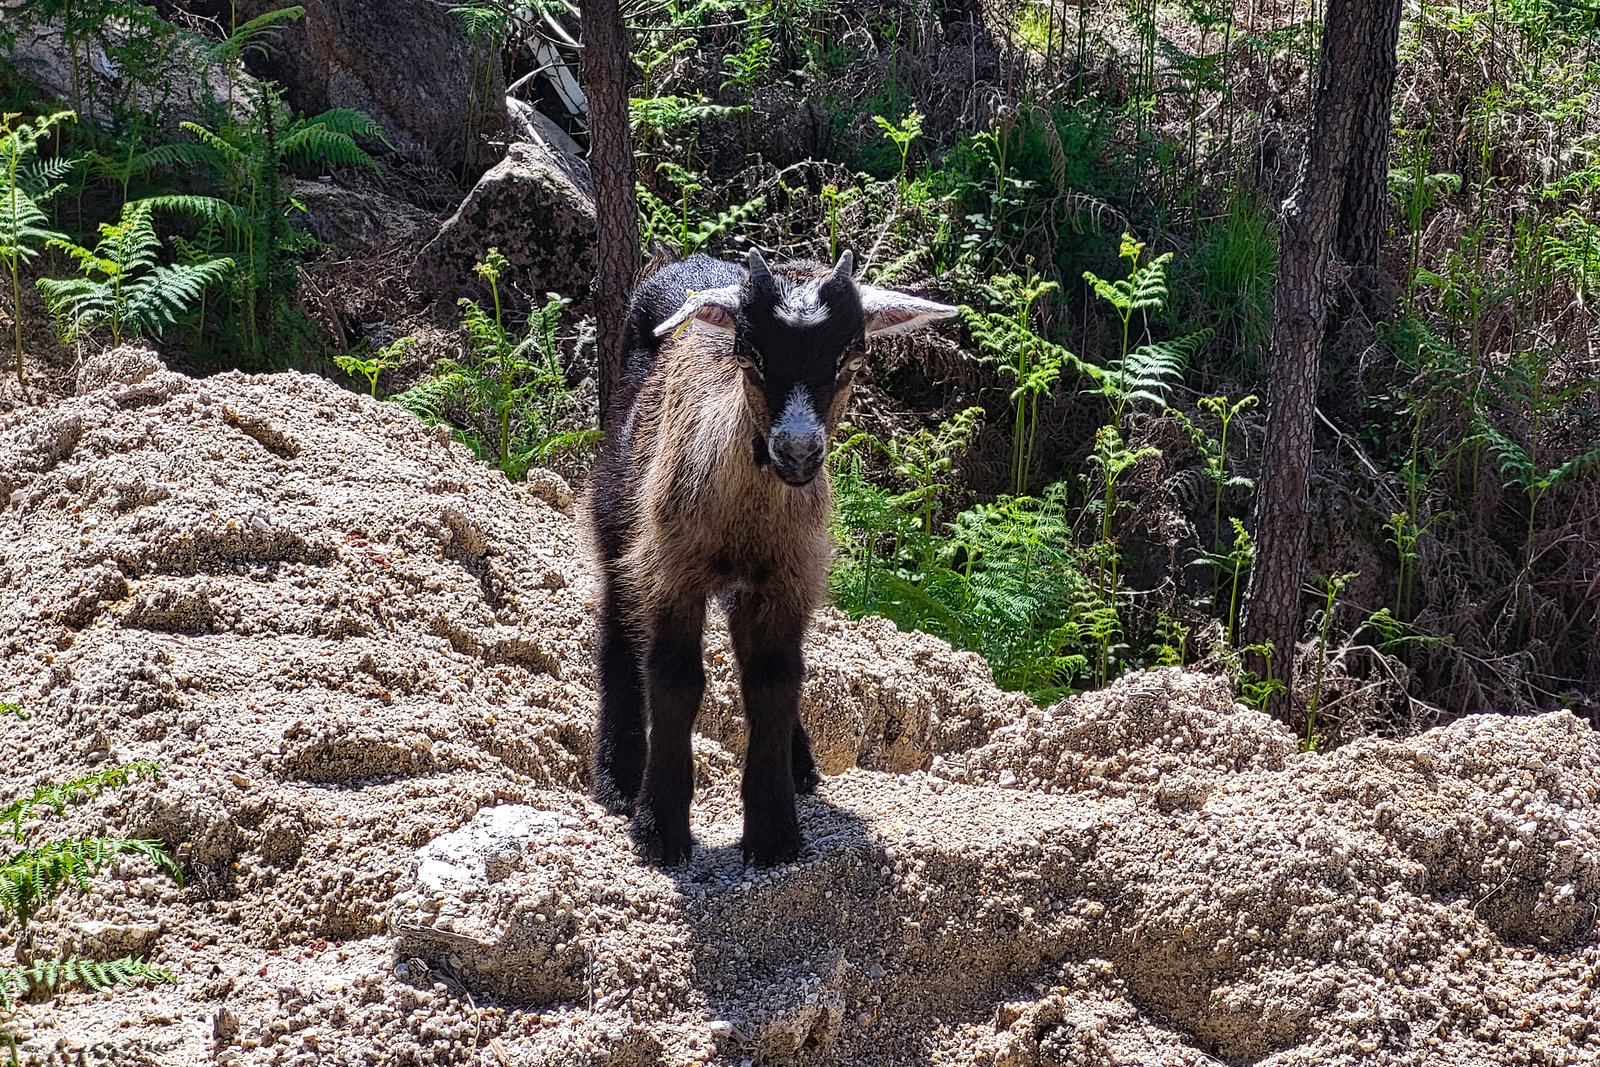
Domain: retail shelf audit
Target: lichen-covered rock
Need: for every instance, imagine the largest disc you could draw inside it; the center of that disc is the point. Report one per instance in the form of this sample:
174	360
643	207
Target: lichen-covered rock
363	663
537	207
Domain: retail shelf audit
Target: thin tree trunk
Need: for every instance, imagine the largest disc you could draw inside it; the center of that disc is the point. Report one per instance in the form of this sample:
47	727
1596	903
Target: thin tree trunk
1359	40
605	75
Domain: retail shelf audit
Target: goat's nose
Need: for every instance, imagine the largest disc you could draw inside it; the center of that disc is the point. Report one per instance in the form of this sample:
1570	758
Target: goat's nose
797	456
797	449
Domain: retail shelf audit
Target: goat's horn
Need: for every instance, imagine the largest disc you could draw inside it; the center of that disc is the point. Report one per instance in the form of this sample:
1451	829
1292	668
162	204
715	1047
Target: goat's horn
846	267
758	266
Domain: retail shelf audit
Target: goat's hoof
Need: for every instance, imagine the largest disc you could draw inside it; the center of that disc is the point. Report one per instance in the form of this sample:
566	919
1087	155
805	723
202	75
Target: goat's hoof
772	848
663	849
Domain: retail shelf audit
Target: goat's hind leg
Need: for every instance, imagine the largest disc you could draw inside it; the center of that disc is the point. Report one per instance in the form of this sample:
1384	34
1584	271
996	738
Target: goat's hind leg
766	639
619	745
675	680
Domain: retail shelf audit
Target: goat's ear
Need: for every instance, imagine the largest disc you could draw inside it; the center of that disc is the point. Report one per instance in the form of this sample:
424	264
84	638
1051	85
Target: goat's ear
714	307
889	311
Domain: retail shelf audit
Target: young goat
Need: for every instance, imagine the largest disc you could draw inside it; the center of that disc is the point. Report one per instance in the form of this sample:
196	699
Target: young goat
711	482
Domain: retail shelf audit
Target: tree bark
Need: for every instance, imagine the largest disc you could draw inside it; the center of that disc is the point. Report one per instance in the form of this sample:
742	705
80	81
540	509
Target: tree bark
1345	154
605	76
1365	207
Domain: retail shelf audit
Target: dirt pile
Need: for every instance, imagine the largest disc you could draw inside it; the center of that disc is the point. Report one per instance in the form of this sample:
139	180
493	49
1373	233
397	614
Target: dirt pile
362	660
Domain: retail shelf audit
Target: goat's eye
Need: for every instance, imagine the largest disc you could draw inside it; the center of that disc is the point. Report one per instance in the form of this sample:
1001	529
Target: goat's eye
745	362
853	364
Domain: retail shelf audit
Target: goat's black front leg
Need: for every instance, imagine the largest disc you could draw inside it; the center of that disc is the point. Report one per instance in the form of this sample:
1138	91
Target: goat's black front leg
806	776
619	745
766	640
675	680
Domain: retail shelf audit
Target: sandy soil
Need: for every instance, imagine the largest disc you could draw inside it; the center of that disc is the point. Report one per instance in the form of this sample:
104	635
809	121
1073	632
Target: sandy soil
362	661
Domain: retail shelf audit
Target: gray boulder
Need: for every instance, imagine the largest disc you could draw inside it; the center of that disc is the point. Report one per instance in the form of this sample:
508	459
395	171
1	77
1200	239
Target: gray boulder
537	207
407	63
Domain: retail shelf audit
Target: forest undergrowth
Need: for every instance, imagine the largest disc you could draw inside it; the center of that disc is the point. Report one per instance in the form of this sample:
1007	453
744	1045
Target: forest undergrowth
1065	483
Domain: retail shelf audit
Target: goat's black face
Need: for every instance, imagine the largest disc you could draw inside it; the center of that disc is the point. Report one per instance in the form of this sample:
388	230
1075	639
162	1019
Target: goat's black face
801	337
799	334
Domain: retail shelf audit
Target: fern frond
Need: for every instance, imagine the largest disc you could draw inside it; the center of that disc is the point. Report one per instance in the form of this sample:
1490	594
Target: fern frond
317	144
58	796
44	178
229	219
1515	465
427	400
228	153
349	122
1150	371
17	982
76	304
489	22
34	877
1149	284
24	227
256	35
1571	468
1118	293
156	300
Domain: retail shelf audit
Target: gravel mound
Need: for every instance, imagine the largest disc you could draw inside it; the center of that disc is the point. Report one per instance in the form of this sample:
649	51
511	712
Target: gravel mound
363	663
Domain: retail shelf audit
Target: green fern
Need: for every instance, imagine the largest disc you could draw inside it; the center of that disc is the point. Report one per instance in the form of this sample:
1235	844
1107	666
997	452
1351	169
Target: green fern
125	286
1144	289
370	367
249	165
1003	580
25	184
257	35
1149	371
57	797
1008	340
34	877
49	975
507	401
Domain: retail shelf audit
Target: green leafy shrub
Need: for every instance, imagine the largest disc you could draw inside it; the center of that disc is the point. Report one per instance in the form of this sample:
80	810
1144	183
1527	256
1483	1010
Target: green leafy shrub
509	398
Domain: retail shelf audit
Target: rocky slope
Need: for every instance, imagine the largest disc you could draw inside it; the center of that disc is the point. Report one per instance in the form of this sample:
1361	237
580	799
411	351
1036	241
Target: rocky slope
361	659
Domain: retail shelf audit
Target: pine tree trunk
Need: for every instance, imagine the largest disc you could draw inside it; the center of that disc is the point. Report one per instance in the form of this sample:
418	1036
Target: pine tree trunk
1345	155
605	76
1366	206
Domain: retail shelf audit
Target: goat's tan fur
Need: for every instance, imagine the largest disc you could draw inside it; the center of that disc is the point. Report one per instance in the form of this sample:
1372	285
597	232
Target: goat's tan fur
707	518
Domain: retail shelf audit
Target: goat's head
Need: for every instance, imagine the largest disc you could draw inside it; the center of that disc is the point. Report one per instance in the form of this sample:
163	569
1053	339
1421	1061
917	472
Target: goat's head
799	336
